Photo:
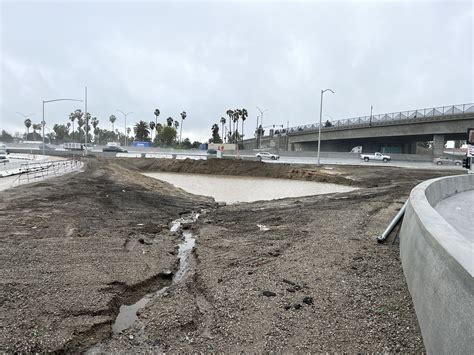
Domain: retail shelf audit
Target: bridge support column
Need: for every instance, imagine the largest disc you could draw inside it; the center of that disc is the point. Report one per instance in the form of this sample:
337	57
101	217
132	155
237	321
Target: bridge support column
438	144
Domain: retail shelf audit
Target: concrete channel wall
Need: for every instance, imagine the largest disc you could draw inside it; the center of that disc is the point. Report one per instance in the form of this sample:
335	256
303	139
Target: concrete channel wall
438	263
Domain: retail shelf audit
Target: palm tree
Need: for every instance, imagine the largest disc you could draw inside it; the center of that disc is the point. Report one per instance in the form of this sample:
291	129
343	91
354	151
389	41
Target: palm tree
183	116
223	123
244	116
112	120
27	125
152	127
80	122
236	122
169	121
72	117
156	113
230	113
158	130
176	124
95	123
141	131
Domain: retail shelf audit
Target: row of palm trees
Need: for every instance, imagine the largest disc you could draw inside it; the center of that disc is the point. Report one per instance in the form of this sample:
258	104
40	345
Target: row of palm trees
234	117
81	119
170	122
232	136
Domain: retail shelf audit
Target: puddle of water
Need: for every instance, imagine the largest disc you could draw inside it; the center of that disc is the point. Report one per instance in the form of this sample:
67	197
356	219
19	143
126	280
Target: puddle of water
128	313
233	189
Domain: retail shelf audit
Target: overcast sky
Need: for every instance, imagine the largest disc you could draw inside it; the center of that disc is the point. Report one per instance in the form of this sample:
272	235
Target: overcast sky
207	57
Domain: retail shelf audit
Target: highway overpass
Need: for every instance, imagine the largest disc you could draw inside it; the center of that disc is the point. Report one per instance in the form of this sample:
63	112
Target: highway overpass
393	132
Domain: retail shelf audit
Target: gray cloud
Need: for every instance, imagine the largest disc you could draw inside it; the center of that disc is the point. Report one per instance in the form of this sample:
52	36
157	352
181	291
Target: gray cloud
207	57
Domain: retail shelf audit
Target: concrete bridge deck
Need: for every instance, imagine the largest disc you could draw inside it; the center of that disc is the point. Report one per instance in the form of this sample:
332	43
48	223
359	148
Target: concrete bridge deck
398	130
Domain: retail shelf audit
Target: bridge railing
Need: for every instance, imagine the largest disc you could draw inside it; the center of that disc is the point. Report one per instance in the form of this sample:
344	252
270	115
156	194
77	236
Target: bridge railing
425	114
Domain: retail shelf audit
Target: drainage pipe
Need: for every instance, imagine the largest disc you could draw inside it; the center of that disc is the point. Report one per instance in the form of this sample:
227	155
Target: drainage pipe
388	230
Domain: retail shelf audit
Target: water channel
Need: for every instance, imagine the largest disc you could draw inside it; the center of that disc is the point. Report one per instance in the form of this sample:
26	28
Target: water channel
234	189
128	315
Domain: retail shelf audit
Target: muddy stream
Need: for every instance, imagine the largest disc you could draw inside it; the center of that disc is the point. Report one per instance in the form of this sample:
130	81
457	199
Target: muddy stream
128	315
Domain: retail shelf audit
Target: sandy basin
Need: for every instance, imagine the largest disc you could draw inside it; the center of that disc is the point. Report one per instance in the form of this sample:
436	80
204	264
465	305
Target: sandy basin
233	189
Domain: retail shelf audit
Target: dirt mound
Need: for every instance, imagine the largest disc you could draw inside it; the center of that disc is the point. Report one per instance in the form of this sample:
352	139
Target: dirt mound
239	168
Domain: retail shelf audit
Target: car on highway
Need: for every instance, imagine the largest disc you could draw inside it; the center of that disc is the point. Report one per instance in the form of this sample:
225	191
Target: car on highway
3	154
267	155
376	156
114	149
447	161
45	147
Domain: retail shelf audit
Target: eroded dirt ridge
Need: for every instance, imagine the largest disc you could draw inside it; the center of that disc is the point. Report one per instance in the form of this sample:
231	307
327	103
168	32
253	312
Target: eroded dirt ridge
313	279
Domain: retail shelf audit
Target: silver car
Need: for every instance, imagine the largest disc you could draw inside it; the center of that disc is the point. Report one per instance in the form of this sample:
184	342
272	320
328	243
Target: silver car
267	155
447	161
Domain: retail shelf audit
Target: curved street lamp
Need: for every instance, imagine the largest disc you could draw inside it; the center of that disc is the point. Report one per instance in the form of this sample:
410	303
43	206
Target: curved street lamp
125	117
320	120
43	122
25	116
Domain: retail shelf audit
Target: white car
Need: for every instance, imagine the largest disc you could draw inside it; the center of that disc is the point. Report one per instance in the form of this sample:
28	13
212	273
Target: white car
267	155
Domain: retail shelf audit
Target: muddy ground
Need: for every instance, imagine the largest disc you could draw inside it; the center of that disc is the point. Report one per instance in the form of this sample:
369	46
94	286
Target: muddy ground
75	248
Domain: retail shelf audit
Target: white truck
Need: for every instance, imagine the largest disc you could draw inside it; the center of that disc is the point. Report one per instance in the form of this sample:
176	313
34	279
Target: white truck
73	146
376	156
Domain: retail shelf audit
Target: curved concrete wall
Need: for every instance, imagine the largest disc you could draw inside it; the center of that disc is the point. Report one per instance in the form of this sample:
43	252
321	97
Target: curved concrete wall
438	262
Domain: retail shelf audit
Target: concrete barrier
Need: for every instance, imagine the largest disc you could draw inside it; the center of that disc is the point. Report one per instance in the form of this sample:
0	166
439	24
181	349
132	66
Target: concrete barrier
438	263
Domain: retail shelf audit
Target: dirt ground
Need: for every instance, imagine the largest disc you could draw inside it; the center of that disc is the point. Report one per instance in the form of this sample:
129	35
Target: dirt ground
75	248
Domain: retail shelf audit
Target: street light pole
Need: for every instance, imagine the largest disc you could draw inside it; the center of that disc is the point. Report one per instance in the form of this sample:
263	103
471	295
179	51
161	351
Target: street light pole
43	122
320	121
125	117
261	125
261	115
87	120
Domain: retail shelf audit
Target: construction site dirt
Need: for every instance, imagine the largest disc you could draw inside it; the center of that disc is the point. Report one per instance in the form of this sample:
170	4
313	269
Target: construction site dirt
295	274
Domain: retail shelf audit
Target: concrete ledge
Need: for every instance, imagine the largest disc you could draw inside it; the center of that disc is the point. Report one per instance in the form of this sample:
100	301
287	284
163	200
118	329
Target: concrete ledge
438	263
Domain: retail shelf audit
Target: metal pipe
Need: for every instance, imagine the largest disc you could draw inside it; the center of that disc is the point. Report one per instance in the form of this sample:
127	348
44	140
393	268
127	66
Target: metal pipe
391	226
